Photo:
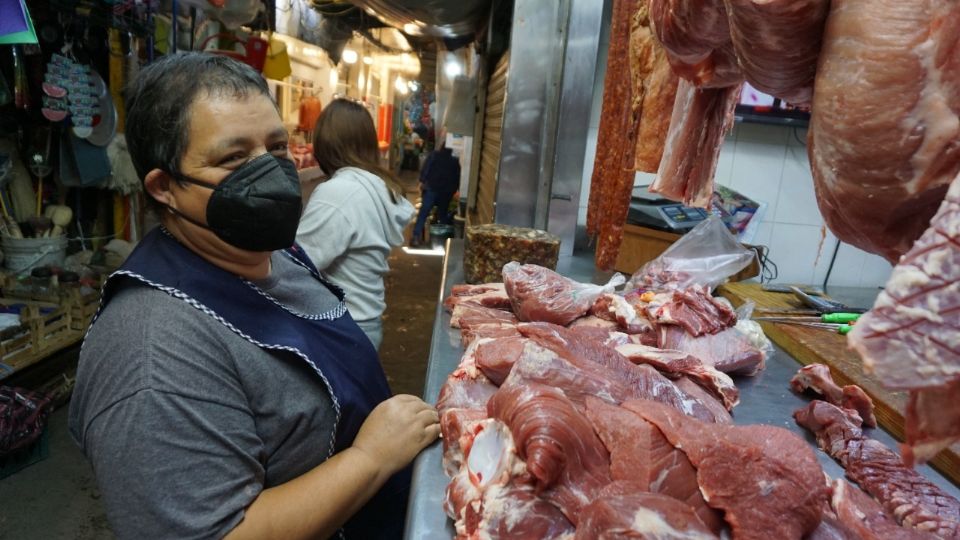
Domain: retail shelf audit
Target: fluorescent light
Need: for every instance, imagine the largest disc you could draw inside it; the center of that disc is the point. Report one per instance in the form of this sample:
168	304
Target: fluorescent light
367	60
400	85
311	51
452	69
334	78
413	86
350	56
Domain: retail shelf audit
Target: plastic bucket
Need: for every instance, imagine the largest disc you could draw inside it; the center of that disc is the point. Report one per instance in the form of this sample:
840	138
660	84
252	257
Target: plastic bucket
23	254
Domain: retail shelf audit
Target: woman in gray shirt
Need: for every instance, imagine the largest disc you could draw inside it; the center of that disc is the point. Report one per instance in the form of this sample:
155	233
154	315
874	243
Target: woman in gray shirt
223	388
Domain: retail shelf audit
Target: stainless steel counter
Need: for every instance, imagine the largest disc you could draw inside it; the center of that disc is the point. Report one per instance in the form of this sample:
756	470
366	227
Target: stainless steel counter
764	399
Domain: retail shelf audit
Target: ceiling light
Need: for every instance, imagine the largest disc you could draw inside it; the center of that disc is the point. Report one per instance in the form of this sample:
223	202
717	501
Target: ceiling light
367	60
413	86
350	56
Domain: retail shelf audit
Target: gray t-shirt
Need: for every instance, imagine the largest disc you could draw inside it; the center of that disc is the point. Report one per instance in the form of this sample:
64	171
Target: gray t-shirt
184	421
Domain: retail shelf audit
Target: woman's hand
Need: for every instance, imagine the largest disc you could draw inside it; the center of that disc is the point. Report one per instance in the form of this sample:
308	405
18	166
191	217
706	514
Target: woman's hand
396	431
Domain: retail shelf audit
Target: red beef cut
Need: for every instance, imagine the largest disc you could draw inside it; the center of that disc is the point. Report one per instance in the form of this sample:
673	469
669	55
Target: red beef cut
817	377
912	499
640	454
563	454
692	308
728	351
622	511
678	363
492	295
641	382
766	480
864	516
467	315
911	337
540	294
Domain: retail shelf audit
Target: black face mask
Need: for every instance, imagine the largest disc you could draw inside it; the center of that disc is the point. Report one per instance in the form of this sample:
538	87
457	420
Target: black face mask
256	207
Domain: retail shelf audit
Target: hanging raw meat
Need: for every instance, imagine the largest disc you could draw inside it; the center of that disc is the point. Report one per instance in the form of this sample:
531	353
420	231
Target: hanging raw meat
655	83
884	139
910	338
777	43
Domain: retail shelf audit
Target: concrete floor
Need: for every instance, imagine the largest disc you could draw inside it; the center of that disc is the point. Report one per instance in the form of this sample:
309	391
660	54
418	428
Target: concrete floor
58	497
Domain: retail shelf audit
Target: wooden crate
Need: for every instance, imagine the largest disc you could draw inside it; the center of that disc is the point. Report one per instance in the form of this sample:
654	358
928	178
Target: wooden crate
44	328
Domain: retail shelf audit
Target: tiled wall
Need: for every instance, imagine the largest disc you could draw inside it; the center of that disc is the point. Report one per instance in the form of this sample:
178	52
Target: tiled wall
769	164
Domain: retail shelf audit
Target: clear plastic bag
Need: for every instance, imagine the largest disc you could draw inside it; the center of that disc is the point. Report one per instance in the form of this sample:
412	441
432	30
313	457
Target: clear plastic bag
540	294
707	255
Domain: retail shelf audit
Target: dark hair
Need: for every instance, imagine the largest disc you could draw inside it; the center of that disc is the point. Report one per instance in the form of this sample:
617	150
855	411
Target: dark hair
158	104
345	137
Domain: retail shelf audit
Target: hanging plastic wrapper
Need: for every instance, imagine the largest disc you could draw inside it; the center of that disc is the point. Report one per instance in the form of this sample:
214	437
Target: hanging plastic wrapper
707	255
540	294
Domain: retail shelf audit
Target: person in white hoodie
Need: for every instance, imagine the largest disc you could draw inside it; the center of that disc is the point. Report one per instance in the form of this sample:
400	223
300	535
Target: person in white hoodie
352	220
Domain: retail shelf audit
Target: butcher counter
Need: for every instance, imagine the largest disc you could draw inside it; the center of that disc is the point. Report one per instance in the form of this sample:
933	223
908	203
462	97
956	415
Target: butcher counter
764	399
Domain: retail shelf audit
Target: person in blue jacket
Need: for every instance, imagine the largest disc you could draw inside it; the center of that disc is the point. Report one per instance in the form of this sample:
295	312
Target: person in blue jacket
223	389
439	180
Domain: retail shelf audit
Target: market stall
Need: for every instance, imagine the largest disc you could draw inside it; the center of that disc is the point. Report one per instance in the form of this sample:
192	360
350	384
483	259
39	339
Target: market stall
764	399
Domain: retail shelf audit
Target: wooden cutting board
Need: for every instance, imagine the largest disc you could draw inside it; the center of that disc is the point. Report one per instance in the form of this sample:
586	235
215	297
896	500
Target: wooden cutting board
820	345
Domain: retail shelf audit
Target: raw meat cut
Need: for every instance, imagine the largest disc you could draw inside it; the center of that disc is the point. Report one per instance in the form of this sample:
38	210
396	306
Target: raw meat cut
517	512
659	91
903	492
635	382
640	454
492	295
777	44
880	172
728	351
467	315
620	511
566	459
766	480
467	387
931	421
692	308
817	377
612	178
720	413
457	429
678	363
496	357
614	307
487	330
595	322
701	118
540	294
911	337
696	37
864	517
600	336
830	528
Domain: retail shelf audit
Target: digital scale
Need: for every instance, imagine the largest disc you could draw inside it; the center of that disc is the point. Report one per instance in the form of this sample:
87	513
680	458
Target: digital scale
651	210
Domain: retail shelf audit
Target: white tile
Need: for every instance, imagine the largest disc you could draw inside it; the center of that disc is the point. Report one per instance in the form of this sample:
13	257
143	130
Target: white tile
725	163
643	178
793	249
848	266
876	271
797	201
764	231
757	169
762	133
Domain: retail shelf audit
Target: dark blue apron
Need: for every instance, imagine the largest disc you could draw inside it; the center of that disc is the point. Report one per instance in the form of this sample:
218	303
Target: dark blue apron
331	343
